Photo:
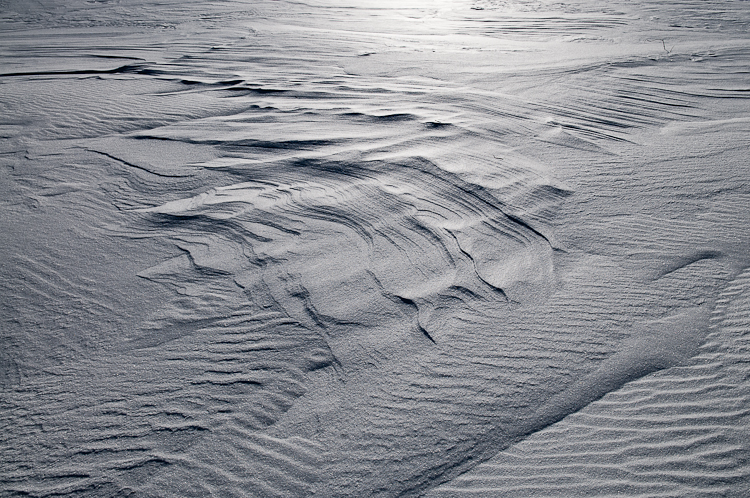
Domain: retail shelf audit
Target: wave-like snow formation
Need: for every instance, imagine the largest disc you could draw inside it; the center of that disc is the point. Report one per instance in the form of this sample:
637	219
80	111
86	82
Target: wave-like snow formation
339	248
677	432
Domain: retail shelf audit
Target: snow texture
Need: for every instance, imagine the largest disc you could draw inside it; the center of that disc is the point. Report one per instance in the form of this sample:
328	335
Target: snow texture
345	248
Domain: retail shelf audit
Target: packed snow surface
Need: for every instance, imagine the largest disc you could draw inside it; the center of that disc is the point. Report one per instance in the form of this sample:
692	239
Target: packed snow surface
352	248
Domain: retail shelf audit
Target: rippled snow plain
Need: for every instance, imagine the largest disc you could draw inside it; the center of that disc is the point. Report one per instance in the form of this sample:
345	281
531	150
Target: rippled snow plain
358	248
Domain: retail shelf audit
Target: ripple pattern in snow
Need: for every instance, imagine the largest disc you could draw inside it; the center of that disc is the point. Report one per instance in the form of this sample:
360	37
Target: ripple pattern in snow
356	248
677	432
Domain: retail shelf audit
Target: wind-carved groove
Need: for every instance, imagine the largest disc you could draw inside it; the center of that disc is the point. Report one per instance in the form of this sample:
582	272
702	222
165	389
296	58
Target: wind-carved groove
434	237
203	270
304	295
131	165
519	221
476	270
412	304
401	300
330	215
480	194
128	68
688	260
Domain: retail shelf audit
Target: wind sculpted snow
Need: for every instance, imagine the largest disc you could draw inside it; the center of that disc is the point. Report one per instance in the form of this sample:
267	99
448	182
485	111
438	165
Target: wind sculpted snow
357	249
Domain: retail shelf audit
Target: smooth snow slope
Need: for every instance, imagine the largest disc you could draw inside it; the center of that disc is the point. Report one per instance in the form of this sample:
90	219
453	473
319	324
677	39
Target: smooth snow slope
354	248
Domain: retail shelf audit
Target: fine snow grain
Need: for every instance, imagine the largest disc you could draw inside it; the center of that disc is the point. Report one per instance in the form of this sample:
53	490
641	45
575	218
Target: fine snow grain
353	248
